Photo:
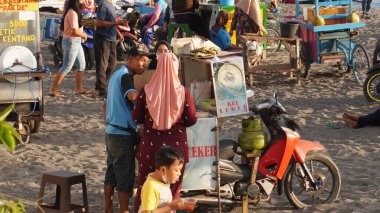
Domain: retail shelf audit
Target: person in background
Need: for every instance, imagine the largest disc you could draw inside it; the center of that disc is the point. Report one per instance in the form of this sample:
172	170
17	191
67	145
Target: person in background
149	21
73	36
105	40
155	193
218	33
165	108
366	6
371	119
121	137
161	47
184	13
246	19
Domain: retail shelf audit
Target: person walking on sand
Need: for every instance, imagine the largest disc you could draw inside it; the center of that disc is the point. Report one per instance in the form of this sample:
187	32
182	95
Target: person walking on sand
366	6
121	136
371	119
105	40
73	35
165	108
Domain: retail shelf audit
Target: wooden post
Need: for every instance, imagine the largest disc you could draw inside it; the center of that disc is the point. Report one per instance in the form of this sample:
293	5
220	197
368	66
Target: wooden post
245	204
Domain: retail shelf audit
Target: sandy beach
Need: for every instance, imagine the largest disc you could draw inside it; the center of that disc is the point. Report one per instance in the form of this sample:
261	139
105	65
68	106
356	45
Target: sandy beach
72	135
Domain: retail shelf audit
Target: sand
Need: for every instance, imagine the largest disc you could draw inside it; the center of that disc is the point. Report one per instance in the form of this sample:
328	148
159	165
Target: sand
72	135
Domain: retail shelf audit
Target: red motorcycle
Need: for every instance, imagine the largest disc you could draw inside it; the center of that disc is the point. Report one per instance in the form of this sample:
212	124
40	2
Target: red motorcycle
299	168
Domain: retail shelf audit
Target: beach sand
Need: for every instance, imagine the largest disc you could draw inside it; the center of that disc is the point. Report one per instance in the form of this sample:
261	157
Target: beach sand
72	135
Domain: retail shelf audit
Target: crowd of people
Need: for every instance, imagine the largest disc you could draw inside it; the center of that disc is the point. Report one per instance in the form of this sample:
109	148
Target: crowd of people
161	147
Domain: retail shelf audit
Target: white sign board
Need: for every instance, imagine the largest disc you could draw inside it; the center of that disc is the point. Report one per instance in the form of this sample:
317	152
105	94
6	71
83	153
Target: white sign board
200	171
229	86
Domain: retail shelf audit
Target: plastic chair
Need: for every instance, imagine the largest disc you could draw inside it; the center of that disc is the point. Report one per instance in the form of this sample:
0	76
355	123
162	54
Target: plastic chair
172	28
64	180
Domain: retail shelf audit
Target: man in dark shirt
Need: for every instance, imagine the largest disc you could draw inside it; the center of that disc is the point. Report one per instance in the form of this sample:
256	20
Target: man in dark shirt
184	12
105	41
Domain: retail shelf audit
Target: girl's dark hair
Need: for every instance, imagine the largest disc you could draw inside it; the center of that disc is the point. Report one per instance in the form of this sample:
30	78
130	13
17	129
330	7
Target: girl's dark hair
166	156
72	4
222	18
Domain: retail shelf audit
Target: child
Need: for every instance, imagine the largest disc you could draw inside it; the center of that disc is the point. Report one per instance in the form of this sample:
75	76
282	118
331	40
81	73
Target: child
218	33
155	194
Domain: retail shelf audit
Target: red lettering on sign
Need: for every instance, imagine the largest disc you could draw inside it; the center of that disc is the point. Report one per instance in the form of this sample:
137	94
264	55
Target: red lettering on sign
202	151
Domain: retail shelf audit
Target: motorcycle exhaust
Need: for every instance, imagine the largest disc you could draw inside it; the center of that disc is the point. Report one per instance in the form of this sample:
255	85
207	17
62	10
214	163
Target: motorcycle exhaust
214	201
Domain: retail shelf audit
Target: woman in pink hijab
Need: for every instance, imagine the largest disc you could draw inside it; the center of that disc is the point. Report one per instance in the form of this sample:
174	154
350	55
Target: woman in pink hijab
165	108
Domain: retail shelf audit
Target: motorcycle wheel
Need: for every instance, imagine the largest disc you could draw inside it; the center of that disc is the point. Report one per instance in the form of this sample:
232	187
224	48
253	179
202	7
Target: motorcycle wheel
324	171
371	87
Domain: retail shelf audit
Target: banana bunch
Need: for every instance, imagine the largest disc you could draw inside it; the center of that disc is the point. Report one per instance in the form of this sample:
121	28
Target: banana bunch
8	206
204	51
8	133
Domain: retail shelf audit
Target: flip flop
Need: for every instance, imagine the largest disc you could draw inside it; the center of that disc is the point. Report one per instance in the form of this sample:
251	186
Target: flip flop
84	92
55	94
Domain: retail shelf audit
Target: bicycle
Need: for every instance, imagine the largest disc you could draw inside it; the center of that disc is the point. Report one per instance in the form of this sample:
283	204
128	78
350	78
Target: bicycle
355	56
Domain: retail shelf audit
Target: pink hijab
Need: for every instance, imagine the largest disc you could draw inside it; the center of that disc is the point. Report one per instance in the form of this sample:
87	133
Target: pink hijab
252	8
165	96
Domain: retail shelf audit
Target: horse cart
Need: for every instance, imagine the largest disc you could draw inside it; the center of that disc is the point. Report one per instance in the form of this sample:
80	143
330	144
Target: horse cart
327	30
21	69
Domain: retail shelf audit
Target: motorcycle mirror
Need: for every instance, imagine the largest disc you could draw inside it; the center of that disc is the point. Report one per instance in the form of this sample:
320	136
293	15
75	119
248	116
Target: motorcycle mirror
275	94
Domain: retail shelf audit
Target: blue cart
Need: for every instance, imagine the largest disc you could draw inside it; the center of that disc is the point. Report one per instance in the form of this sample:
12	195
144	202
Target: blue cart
333	42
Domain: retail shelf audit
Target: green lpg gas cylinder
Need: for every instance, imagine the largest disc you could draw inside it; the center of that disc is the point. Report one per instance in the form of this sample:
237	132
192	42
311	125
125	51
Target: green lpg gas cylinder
253	137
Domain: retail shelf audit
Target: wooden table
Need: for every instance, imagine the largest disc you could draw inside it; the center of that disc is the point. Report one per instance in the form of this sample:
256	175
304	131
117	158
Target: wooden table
292	45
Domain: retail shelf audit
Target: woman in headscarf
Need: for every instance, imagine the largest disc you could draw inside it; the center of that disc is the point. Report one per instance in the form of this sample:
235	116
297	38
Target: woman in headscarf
165	108
160	47
218	33
247	19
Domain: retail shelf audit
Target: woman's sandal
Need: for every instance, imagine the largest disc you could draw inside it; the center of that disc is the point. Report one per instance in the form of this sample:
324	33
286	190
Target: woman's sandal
84	92
55	94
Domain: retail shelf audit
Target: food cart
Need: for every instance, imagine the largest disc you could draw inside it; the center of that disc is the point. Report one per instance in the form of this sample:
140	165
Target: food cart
332	41
21	69
227	76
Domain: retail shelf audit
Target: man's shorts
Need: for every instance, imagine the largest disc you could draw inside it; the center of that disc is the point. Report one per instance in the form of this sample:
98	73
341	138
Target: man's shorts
120	171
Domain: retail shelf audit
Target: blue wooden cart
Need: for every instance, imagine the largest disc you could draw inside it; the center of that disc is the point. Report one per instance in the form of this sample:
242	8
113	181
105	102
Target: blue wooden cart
332	42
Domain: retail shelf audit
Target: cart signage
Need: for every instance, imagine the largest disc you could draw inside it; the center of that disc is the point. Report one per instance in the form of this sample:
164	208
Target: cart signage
199	171
19	24
18	5
229	87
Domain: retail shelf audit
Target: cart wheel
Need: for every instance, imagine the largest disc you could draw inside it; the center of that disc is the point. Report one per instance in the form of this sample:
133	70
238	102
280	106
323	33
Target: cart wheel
305	60
34	126
273	46
25	134
360	63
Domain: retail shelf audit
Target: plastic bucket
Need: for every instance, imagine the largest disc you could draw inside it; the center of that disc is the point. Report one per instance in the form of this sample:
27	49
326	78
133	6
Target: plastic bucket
289	29
227	2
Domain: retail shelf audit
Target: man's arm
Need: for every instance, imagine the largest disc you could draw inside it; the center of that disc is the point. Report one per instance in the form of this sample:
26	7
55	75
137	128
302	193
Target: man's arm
102	23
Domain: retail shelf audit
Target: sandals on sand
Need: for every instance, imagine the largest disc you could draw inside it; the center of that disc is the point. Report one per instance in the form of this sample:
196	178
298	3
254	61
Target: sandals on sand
55	94
84	92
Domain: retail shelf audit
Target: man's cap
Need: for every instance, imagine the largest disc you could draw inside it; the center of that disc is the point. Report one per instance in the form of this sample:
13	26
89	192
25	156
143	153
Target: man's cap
140	50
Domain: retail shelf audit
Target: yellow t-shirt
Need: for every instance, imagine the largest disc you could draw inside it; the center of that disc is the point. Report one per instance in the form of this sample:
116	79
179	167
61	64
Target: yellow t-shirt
154	194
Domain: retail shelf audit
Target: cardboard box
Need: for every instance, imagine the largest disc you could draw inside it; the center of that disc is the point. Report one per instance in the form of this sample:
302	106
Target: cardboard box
310	15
